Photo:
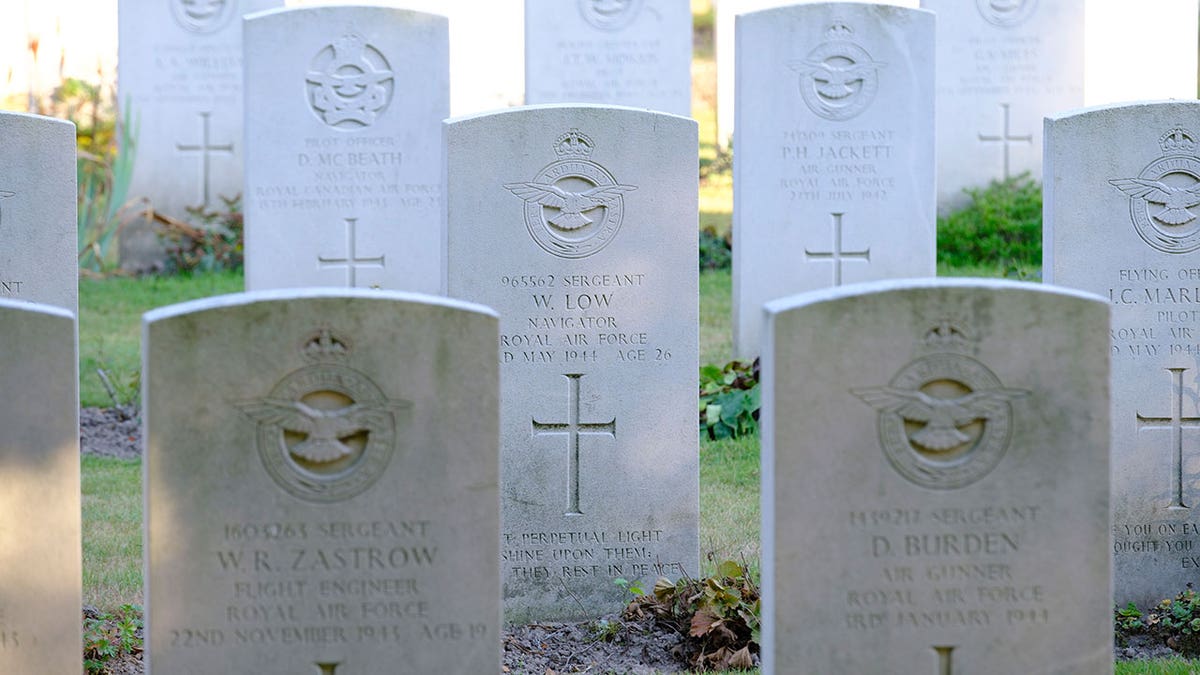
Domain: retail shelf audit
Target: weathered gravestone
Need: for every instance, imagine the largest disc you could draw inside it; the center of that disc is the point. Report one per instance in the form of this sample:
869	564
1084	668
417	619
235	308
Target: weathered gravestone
946	444
343	131
1120	221
626	52
181	87
579	225
38	257
1002	66
834	169
321	484
39	450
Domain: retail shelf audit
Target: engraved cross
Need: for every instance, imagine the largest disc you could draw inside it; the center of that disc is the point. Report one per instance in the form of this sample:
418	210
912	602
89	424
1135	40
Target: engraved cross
945	660
837	255
1176	423
1007	138
327	668
206	148
351	262
573	429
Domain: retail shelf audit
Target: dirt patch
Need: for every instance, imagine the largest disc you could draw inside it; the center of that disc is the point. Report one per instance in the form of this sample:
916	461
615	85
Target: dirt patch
110	432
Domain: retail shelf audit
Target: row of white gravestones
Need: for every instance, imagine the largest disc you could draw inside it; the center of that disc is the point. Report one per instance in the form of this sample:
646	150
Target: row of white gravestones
956	506
322	484
623	52
834	170
1122	186
1006	64
181	90
343	136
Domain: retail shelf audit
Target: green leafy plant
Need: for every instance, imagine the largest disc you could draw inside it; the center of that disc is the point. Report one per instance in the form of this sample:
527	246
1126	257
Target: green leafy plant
109	636
634	588
1002	225
716	253
720	615
213	241
104	207
730	398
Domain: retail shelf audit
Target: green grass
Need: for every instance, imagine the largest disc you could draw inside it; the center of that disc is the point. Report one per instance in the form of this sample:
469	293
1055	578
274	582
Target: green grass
729	507
110	315
112	532
716	305
1158	667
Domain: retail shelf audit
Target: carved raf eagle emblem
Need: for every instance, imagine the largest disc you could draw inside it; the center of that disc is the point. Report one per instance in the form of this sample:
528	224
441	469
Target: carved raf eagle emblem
571	205
1176	200
942	417
324	430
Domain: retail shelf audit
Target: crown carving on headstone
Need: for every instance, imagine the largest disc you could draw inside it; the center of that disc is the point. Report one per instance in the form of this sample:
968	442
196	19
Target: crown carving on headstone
324	346
574	143
349	47
947	335
840	31
1178	141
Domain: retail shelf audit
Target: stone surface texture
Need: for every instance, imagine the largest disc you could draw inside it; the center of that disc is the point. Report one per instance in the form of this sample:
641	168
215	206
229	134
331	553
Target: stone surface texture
321	484
38	260
1119	222
935	481
625	52
1003	65
181	89
834	169
725	14
597	292
39	450
343	114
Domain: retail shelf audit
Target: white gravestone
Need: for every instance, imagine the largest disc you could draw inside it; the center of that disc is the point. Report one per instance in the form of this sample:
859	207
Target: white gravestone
1003	65
38	256
181	76
343	177
40	597
321	484
935	481
624	52
1120	221
579	225
834	169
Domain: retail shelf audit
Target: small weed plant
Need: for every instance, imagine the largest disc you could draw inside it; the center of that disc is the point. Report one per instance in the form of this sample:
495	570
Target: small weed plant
716	253
1174	622
719	615
730	399
1001	226
109	637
